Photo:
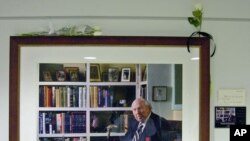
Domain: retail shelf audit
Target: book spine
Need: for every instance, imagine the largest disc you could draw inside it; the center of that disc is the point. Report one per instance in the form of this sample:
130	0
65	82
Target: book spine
68	96
95	97
47	123
92	96
53	122
57	96
53	96
40	123
64	101
105	94
61	97
111	97
84	97
44	130
100	97
41	96
80	96
58	123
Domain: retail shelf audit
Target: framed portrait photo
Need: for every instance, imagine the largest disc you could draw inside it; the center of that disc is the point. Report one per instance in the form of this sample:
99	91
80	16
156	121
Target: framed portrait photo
105	77
159	93
60	75
72	73
95	72
225	116
125	75
113	74
47	76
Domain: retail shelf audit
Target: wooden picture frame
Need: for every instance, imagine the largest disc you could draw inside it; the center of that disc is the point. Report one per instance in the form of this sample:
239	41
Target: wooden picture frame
19	43
105	77
159	93
72	73
47	76
60	75
95	73
113	74
125	75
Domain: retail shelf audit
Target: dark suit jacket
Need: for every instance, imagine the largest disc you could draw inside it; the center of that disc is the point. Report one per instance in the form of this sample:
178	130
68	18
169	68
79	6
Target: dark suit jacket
153	129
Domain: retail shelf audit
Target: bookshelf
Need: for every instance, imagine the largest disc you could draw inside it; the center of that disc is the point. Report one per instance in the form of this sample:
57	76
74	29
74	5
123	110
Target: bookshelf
77	102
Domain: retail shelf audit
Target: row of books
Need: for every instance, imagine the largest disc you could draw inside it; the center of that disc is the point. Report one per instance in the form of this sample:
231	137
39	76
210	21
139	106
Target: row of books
101	96
62	96
64	139
62	122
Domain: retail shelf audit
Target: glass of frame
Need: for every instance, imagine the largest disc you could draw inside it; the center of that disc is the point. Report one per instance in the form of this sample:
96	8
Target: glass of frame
21	50
226	116
159	93
60	75
113	74
125	76
95	72
47	76
105	77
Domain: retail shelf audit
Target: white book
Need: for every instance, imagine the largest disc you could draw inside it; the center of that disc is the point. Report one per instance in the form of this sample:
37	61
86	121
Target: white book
84	97
68	96
80	95
44	129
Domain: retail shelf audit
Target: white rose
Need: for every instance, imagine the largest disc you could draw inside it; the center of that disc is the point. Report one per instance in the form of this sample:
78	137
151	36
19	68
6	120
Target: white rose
96	28
97	33
198	7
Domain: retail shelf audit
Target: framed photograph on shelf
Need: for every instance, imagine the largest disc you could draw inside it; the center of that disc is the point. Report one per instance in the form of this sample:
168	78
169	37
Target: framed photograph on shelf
113	74
125	76
105	77
159	93
72	73
47	76
60	75
95	72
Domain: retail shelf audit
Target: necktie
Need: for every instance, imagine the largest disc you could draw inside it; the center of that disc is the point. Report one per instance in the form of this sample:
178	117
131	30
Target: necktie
138	132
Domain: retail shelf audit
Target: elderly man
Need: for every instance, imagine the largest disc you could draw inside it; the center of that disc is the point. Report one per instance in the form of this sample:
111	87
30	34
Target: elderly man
145	125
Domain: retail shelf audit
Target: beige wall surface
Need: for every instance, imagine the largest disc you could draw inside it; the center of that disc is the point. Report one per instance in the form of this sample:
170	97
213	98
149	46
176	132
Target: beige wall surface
227	20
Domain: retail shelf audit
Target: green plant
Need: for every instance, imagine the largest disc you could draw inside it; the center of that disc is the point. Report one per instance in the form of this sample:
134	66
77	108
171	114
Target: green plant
70	30
196	20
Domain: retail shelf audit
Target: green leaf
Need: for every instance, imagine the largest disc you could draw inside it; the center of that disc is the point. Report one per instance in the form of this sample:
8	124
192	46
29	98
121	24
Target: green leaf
197	13
194	21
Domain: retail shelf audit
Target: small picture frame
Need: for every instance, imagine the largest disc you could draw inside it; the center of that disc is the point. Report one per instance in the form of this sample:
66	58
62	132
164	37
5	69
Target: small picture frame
60	75
125	75
159	93
105	77
47	76
72	73
225	116
95	73
113	74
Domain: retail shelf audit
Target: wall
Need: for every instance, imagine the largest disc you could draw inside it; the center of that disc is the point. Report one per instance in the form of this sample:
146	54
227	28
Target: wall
227	20
160	75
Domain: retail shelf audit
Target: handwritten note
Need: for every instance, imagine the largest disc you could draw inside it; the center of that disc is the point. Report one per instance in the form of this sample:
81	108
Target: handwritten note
232	97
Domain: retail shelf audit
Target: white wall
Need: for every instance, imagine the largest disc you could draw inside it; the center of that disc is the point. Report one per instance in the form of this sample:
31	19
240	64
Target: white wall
227	20
160	75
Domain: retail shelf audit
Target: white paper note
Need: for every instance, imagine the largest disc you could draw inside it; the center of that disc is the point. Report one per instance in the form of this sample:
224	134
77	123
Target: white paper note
232	97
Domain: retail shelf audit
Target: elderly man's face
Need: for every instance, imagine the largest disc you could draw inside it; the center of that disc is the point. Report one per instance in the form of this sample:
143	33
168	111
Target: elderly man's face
140	110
